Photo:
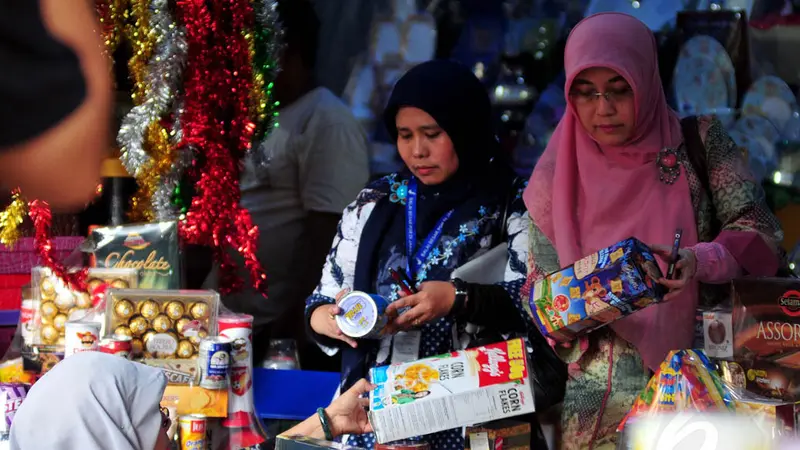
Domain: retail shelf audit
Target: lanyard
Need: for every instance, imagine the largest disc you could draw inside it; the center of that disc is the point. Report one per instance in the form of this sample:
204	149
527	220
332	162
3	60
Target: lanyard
417	259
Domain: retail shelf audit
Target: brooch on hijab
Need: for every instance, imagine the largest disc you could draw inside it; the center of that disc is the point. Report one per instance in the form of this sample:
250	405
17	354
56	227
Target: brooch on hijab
668	167
399	192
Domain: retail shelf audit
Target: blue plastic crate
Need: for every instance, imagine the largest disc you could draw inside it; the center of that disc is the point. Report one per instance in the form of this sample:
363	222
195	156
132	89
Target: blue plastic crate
292	394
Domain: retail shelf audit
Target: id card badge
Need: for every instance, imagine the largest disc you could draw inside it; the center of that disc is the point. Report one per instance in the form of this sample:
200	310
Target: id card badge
405	346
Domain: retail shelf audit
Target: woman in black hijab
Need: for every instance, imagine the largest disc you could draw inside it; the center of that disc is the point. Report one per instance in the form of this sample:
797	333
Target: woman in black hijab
454	200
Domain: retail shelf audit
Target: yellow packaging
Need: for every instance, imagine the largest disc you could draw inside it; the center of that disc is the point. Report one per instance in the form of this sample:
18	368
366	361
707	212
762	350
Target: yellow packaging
196	400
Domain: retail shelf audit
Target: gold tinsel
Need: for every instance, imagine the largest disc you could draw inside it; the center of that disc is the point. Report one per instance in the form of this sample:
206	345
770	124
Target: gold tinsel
258	95
143	40
11	218
160	150
111	14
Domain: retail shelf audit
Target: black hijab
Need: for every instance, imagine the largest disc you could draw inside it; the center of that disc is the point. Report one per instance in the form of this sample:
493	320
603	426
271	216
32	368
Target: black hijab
458	102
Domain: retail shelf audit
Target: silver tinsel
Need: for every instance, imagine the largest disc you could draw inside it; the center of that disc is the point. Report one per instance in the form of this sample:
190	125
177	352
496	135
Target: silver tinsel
165	70
266	17
163	206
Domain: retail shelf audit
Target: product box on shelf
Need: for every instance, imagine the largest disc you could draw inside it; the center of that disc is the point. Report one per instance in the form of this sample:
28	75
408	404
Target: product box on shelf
596	290
449	391
55	303
508	434
196	400
766	320
152	248
181	372
162	324
718	333
762	378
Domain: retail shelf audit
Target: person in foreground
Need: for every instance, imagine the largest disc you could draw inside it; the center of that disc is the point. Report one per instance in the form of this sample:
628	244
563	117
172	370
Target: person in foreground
617	167
439	213
77	406
55	101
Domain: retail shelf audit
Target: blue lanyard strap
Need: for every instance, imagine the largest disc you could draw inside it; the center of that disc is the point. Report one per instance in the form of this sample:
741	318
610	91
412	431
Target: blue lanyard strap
419	257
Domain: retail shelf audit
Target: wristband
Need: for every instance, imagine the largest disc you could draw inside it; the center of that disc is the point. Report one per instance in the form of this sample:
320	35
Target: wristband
326	426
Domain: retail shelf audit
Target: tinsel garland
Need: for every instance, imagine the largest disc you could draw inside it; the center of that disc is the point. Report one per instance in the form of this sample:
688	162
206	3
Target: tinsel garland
145	147
42	218
111	14
265	41
217	123
11	218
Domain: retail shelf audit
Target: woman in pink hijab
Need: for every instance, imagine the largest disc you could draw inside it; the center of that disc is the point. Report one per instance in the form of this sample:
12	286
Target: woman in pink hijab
616	167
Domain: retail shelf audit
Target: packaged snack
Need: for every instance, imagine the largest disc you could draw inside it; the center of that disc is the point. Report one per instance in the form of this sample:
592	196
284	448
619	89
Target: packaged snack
38	361
450	391
597	290
14	394
56	304
196	400
718	334
762	378
178	372
151	248
162	324
766	320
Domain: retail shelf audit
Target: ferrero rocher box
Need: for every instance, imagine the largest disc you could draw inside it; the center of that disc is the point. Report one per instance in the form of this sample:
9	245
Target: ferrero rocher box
56	303
151	248
165	324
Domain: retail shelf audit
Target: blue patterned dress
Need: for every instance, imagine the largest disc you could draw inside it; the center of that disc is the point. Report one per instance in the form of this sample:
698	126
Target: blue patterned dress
369	242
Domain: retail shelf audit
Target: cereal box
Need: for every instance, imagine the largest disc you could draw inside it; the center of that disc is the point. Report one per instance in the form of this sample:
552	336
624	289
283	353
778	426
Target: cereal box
596	290
450	391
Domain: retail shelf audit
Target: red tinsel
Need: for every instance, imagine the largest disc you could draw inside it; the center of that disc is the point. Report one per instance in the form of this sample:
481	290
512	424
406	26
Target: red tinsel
42	218
218	127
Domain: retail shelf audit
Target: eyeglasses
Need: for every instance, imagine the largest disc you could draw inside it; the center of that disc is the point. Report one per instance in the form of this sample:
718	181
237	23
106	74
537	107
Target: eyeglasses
612	96
165	420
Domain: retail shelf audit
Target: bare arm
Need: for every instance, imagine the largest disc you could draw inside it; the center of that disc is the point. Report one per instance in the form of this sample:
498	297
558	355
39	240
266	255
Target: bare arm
62	164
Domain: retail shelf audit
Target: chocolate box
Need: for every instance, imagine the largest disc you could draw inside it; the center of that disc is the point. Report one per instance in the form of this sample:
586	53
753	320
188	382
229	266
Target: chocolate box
151	248
766	320
596	290
763	379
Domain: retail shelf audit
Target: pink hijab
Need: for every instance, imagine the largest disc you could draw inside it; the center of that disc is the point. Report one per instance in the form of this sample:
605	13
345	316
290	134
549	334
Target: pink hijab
585	197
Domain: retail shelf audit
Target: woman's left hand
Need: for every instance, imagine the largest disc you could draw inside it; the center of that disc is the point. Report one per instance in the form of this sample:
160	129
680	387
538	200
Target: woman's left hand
348	414
685	268
434	300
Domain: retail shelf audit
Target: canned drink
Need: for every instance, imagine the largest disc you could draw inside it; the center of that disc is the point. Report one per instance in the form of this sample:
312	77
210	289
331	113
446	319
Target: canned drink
117	345
193	433
81	336
214	360
363	315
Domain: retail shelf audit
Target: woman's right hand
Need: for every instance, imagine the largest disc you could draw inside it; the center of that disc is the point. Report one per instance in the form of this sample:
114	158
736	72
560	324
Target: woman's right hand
323	321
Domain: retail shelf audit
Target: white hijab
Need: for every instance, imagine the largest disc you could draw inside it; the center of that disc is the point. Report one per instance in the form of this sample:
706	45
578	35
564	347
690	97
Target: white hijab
91	401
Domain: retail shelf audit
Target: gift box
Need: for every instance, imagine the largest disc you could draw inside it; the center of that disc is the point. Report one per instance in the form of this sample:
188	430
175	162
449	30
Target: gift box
766	321
596	290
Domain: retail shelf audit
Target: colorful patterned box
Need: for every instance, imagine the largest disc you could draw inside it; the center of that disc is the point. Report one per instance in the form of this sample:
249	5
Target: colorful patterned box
596	290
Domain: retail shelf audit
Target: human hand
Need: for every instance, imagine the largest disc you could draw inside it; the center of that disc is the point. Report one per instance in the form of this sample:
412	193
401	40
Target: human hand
347	414
323	321
685	268
434	300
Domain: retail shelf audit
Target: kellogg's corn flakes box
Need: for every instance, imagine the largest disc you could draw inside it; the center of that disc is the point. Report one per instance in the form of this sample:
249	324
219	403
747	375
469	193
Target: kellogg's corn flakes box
596	290
450	391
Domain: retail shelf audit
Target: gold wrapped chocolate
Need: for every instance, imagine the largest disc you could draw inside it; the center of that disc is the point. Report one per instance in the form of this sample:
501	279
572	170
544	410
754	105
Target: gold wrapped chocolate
119	284
161	323
199	310
47	288
48	310
138	325
83	300
201	334
93	284
148	309
137	346
147	336
61	340
181	323
174	310
124	309
185	349
59	321
49	334
65	300
123	330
